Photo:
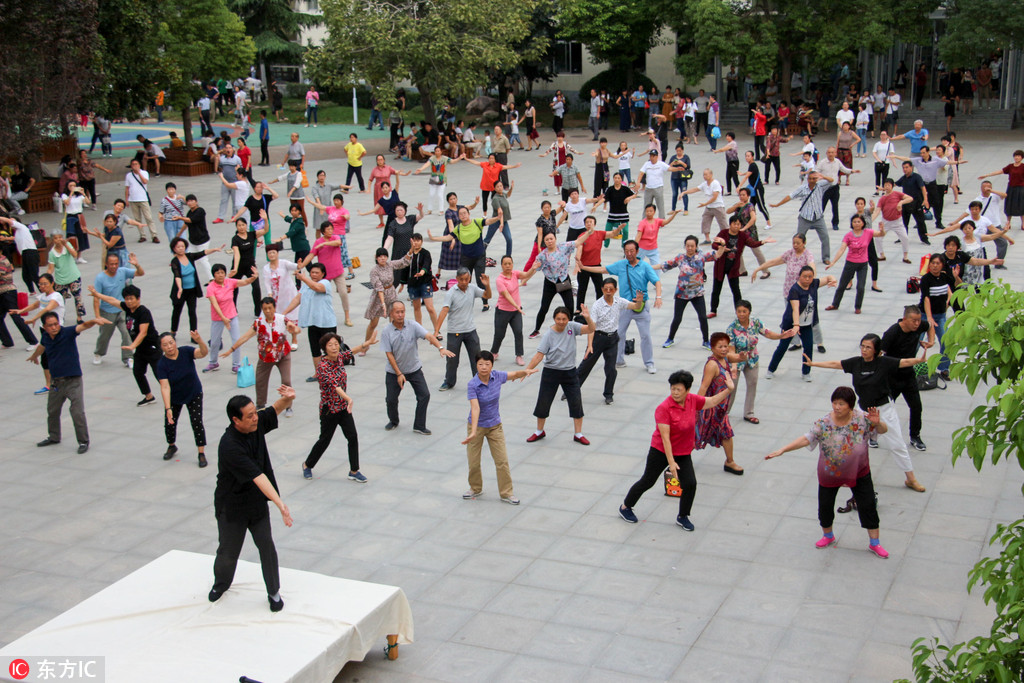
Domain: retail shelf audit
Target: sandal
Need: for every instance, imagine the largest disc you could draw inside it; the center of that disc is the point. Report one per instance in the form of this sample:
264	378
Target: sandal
752	420
875	289
765	275
906	260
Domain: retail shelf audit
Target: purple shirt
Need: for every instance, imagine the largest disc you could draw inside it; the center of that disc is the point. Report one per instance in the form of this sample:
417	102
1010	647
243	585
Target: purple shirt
487	395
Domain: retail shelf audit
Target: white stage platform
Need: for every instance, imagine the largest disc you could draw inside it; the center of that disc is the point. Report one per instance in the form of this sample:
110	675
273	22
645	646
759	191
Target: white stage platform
157	624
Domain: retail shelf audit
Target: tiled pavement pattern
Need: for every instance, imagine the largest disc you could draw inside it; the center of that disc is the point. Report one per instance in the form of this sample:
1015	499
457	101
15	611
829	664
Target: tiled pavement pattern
559	587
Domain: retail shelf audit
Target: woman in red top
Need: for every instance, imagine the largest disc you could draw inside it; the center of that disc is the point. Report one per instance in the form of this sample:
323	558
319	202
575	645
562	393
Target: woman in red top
490	170
244	153
760	131
672	441
1014	205
336	405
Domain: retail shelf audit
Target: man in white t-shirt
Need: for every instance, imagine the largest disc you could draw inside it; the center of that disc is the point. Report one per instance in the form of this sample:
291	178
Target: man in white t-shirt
137	196
652	179
844	115
986	210
714	206
892	111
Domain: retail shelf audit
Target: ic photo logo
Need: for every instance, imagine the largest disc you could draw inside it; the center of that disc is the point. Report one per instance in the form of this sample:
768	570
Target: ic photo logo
18	669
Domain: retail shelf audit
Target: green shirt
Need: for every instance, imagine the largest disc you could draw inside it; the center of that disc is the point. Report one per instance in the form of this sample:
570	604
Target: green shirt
499	201
297	234
64	269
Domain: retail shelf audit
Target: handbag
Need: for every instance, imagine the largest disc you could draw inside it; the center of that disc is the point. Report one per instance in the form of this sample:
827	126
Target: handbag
686	175
630	347
672	486
305	179
926	382
563	285
246	374
433	283
355	262
347	357
913	285
716	132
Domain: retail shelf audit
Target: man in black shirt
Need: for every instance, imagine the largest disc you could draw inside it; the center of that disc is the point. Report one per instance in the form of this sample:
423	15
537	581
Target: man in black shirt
902	341
245	482
198	237
913	186
872	375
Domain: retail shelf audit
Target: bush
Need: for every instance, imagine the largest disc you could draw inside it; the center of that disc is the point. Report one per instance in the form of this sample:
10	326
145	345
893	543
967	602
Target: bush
615	81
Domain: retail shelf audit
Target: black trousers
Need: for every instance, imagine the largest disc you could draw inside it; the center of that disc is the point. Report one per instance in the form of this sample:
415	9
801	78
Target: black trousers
759	149
9	303
912	395
677	315
873	261
419	386
849	270
503	320
264	152
936	200
716	290
881	173
356	171
455	342
768	163
757	199
187	298
863	493
702	120
915	210
582	279
256	296
144	359
478	265
195	418
393	142
30	269
657	462
550	380
545	300
831	196
329	423
732	169
502	158
605	345
231	535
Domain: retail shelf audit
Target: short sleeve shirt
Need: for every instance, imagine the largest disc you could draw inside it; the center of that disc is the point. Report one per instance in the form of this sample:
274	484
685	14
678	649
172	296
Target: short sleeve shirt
487	395
401	343
559	348
744	340
62	352
681	421
134	320
871	379
111	285
225	299
460	308
555	264
181	375
241	458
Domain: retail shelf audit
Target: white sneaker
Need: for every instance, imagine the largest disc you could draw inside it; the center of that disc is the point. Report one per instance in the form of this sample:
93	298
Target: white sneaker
651	370
130	363
81	260
287	412
97	360
31	348
769	374
806	378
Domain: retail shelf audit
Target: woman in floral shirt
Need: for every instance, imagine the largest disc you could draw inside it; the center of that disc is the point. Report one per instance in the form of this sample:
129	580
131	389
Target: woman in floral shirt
689	287
9	304
555	260
336	405
794	259
271	330
382	279
842	439
743	334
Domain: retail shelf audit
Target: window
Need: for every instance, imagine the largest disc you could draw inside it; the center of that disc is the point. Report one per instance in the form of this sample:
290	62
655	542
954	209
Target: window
567	57
312	5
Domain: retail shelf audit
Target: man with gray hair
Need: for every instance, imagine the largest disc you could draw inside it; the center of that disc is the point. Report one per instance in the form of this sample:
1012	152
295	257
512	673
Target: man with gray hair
811	214
458	302
398	342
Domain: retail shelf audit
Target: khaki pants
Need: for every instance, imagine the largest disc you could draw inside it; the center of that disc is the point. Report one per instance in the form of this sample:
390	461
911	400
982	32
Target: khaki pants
496	441
750	376
713	214
142	214
70	389
284	366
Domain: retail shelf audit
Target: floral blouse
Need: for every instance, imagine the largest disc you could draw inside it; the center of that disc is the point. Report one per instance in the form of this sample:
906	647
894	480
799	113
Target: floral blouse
690	284
793	265
272	338
555	264
331	375
744	339
843	450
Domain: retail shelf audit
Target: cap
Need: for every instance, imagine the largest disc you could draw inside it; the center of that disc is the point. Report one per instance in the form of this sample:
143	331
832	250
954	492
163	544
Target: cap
654	152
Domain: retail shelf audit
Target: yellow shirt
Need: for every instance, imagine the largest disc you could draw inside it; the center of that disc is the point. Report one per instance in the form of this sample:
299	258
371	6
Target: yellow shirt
177	142
355	153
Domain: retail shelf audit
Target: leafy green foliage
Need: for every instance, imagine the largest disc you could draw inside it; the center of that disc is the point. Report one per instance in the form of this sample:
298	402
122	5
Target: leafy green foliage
129	65
273	25
985	342
445	47
534	51
976	28
614	31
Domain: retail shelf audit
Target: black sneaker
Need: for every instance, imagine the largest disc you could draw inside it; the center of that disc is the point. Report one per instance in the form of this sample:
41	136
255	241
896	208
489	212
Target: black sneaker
275	606
627	514
608	400
918	444
873	443
214	595
83	448
389	426
146	401
684	521
534	334
821	348
424	431
169	453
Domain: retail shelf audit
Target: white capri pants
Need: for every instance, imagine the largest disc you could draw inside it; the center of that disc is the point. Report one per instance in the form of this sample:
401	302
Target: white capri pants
436	192
893	438
896	227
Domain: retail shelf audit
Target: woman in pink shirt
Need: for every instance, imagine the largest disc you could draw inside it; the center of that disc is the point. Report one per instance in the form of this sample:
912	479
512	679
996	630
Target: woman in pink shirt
509	311
857	241
647	234
327	250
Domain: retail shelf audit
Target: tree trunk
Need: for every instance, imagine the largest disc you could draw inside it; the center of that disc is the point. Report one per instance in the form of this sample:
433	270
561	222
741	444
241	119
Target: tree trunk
427	103
786	75
186	125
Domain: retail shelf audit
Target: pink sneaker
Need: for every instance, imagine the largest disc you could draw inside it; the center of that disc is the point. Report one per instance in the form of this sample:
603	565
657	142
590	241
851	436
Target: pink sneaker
825	542
880	551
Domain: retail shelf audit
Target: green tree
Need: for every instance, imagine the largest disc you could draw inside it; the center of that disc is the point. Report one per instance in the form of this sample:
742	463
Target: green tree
613	31
47	54
986	344
190	54
976	28
274	26
445	47
534	50
129	64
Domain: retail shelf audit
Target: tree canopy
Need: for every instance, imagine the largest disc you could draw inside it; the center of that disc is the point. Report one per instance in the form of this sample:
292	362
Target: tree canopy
445	48
613	31
976	28
129	65
274	26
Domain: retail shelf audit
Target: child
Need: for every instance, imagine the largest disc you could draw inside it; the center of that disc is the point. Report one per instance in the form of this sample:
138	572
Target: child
806	165
112	238
296	232
513	122
172	209
624	155
487	145
653	144
245	123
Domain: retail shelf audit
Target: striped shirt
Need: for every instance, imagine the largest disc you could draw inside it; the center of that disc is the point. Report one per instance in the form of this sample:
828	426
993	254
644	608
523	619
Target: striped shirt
811	206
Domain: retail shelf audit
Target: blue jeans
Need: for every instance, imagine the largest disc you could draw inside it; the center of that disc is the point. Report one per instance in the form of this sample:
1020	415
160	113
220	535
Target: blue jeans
311	115
375	116
650	254
505	231
862	146
940	329
627	175
677	187
807	338
712	141
171	228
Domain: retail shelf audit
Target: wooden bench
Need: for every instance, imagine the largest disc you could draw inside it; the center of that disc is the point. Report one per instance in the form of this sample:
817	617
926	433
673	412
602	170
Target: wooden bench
40	197
182	162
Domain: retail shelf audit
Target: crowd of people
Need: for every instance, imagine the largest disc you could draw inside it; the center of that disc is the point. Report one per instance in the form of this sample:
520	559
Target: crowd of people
605	279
